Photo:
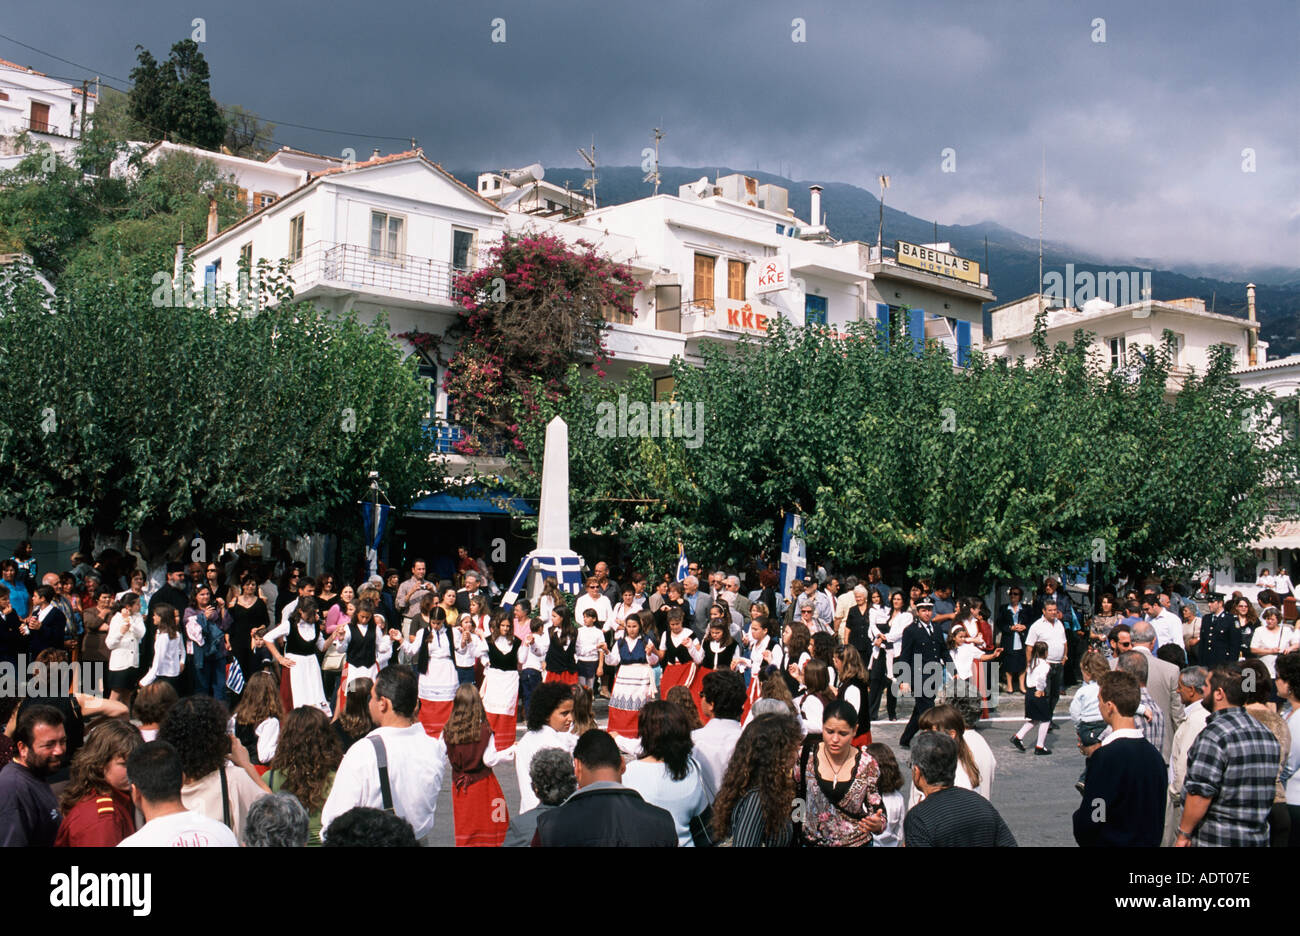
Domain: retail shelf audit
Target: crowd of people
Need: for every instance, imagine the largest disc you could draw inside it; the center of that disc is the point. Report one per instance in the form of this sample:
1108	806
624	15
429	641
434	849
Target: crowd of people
243	703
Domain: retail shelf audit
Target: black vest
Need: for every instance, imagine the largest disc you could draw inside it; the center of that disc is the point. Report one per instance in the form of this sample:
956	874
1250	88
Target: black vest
296	645
509	660
361	650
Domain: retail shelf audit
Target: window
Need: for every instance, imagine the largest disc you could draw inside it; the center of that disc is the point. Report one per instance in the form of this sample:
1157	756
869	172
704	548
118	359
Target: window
704	280
262	199
246	256
610	314
735	280
40	121
668	308
814	310
462	249
295	238
3	96
1118	351
241	196
664	388
387	235
1176	350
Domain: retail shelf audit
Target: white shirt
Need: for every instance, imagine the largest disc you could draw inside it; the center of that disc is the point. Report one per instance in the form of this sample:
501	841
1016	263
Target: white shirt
534	655
714	745
439	684
383	643
1168	628
895	810
1282	584
182	829
1187	733
467	655
526	749
168	657
604	611
964	658
1265	639
1050	632
1037	678
305	630
417	764
1134	733
125	647
685	798
590	640
984	760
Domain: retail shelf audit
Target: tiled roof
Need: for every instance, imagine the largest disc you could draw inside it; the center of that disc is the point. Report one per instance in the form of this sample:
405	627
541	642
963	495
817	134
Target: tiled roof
23	68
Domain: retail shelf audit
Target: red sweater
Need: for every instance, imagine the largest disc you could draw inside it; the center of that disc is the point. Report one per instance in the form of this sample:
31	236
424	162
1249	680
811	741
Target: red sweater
97	821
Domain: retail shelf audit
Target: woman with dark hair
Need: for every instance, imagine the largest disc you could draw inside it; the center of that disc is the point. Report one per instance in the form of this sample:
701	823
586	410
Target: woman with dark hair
969	776
96	803
561	651
501	680
168	648
890	786
674	599
796	642
817	695
304	641
432	649
550	716
666	775
837	782
634	686
719	648
215	581
550	598
1101	624
768	581
247	613
1246	620
823	648
125	631
306	759
886	637
206	625
258	717
756	798
327	592
96	619
220	780
853	689
476	797
352	721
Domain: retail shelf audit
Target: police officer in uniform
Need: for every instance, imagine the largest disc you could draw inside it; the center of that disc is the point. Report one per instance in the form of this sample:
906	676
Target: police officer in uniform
924	651
1220	641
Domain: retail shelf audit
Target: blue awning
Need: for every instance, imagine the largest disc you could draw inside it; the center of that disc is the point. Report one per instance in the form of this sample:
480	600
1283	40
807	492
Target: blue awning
473	503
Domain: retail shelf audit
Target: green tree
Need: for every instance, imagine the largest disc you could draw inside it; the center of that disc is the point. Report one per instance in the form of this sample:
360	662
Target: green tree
173	99
126	415
246	135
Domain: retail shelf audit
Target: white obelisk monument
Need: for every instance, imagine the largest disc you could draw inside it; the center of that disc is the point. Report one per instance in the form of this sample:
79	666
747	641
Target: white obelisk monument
553	511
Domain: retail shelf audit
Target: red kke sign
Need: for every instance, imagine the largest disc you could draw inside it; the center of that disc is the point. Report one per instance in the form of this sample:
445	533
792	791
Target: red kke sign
743	318
773	274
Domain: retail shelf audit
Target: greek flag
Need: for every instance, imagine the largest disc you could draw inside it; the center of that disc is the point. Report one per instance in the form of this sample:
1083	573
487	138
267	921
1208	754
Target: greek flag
235	678
374	518
517	584
682	565
794	554
567	570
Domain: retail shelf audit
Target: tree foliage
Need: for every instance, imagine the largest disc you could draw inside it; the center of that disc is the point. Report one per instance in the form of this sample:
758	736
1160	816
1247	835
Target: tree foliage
172	99
535	307
123	415
1002	470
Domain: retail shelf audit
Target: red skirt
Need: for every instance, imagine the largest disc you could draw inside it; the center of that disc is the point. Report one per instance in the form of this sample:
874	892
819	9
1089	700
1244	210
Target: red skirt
862	740
569	679
503	729
625	723
434	716
680	674
286	693
480	813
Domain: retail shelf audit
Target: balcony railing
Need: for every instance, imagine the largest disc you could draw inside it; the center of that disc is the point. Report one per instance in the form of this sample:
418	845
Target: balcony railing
378	271
445	436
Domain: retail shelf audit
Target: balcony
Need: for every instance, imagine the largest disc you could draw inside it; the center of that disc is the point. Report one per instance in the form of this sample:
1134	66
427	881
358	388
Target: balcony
353	268
445	435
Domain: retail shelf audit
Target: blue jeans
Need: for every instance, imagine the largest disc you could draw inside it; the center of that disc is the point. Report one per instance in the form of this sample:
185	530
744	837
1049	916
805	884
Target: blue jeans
529	680
210	678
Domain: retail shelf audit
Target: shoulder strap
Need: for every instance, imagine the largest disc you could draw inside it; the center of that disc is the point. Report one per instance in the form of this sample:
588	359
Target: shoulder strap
381	758
225	798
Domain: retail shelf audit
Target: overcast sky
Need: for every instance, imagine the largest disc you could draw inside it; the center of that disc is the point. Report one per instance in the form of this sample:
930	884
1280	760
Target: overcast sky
1143	133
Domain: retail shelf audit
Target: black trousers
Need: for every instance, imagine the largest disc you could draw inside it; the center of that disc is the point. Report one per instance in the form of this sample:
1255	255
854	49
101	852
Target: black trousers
881	685
923	705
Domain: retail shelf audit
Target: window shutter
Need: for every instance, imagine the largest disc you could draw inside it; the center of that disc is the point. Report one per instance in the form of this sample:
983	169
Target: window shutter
916	329
963	344
882	325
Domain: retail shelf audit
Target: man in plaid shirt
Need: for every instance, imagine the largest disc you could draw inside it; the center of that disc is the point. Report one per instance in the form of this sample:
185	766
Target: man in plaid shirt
1231	772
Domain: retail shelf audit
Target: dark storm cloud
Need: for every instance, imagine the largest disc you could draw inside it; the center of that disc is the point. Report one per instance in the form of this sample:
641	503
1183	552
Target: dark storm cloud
1143	133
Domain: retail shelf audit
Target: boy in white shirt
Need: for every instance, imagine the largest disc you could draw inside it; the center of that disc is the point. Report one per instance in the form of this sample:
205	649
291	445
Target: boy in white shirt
154	770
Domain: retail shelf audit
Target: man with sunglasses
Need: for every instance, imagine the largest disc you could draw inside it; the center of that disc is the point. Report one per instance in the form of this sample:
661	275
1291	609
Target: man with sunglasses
1120	639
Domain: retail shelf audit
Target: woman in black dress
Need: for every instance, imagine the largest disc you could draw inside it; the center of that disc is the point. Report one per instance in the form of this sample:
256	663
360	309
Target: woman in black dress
674	600
247	613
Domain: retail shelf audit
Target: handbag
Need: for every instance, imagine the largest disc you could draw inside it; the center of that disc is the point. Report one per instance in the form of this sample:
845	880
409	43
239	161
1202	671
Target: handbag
333	660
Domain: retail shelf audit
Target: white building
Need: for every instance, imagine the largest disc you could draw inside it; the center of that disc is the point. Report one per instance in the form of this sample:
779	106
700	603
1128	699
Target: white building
1120	332
526	191
49	111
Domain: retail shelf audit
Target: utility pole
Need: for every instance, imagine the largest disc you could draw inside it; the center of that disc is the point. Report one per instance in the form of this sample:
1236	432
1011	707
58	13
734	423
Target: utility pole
1042	183
85	102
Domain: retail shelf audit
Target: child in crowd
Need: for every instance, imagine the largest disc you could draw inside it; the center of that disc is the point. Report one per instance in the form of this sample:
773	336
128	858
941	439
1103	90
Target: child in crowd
1085	709
590	648
890	786
1037	711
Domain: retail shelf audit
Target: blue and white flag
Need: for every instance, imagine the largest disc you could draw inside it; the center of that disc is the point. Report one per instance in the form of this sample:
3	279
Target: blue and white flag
374	517
235	678
794	553
567	570
517	584
682	565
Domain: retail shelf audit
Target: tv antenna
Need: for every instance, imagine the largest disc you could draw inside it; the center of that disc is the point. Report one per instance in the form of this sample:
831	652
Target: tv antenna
653	174
590	158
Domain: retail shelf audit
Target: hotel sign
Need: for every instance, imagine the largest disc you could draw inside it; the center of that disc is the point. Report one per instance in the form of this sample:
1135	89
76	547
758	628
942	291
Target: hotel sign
936	261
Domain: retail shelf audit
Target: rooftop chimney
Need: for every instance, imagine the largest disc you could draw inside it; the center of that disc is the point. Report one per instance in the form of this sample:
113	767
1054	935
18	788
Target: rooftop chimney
815	211
1252	335
212	218
375	153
